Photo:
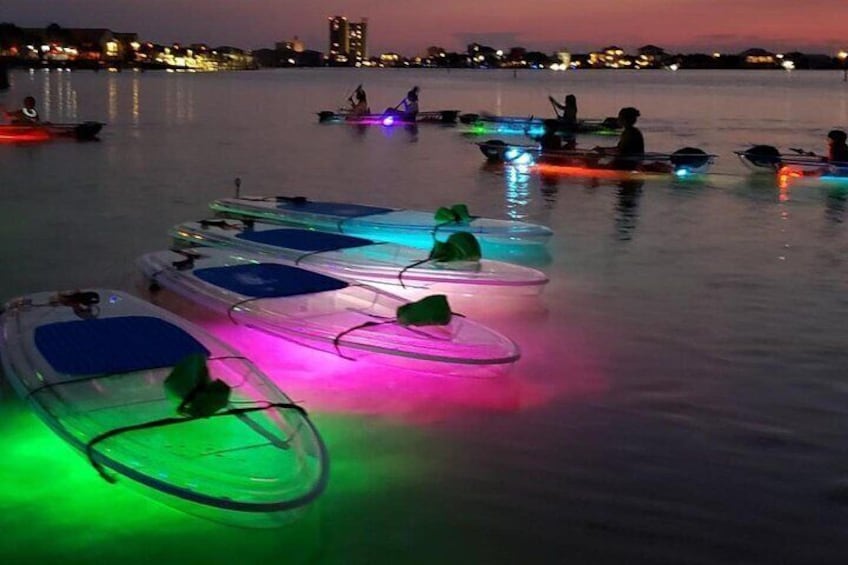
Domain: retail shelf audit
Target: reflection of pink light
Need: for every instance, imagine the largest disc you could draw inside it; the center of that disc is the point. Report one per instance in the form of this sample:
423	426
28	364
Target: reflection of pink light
324	383
388	120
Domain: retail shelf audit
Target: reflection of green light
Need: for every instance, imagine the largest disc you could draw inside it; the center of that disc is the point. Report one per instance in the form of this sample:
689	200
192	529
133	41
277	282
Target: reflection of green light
55	508
534	130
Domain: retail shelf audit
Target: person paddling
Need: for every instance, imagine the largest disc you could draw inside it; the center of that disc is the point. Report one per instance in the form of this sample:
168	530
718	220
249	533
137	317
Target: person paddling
568	118
410	105
359	102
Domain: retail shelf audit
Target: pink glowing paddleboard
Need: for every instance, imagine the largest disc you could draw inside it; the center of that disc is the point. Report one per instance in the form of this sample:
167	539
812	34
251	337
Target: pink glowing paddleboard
320	311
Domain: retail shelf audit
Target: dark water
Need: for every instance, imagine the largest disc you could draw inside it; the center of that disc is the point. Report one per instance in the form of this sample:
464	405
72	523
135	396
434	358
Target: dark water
682	395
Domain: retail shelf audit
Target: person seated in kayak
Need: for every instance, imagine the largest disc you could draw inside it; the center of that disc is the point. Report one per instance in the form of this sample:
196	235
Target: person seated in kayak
837	150
359	102
410	105
568	118
550	140
630	151
26	115
555	148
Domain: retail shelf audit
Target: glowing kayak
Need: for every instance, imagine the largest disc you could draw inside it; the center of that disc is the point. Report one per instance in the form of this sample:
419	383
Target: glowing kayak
396	268
683	162
123	382
319	311
799	163
22	133
481	124
408	227
388	118
790	167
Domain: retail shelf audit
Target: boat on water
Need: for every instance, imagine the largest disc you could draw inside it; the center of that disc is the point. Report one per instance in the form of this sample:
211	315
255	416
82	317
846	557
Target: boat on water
390	117
402	270
416	228
324	312
157	403
684	162
796	163
482	124
23	133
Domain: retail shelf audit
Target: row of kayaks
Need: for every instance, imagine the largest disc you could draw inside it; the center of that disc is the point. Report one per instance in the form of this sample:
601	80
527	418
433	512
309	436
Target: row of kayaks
684	162
38	132
150	398
478	124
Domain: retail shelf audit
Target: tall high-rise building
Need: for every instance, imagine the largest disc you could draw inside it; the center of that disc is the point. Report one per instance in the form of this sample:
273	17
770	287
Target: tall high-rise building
348	40
358	40
338	36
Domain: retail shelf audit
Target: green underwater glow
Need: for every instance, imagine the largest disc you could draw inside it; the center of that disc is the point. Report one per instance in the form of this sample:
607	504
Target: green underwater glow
54	507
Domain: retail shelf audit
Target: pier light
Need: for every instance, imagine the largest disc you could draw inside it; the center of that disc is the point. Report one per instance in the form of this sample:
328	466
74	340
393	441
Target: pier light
842	55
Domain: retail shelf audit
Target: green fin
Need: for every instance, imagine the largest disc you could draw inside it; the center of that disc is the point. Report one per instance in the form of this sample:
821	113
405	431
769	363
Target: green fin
458	213
429	311
190	386
460	246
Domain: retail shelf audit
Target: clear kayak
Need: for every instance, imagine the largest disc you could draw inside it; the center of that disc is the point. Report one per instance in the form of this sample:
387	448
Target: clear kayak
319	311
96	366
585	163
397	268
794	164
482	124
389	118
416	228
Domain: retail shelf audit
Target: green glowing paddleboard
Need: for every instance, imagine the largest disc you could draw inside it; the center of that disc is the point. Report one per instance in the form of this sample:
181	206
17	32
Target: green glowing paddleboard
157	403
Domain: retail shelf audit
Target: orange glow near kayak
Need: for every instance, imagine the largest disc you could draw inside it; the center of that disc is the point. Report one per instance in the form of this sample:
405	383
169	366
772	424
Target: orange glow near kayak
22	134
606	174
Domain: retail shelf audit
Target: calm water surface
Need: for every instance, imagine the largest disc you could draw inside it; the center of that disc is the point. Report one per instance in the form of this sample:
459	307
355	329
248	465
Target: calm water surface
683	395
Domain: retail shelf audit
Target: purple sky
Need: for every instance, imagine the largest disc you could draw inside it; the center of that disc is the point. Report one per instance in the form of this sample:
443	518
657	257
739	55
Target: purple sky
409	27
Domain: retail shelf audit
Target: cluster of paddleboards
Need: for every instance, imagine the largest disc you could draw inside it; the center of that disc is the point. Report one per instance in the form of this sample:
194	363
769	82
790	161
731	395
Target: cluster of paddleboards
150	398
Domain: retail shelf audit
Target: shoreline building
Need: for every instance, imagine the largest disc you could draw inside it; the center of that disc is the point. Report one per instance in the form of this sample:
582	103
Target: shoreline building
348	41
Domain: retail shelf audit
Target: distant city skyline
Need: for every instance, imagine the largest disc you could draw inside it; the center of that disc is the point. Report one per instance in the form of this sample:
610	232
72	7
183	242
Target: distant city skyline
406	28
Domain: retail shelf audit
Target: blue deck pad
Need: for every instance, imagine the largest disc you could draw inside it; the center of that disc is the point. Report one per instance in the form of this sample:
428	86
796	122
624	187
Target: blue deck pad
338	209
103	346
303	240
268	280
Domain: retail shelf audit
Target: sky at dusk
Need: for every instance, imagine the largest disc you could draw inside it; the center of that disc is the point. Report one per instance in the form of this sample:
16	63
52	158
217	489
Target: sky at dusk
409	27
